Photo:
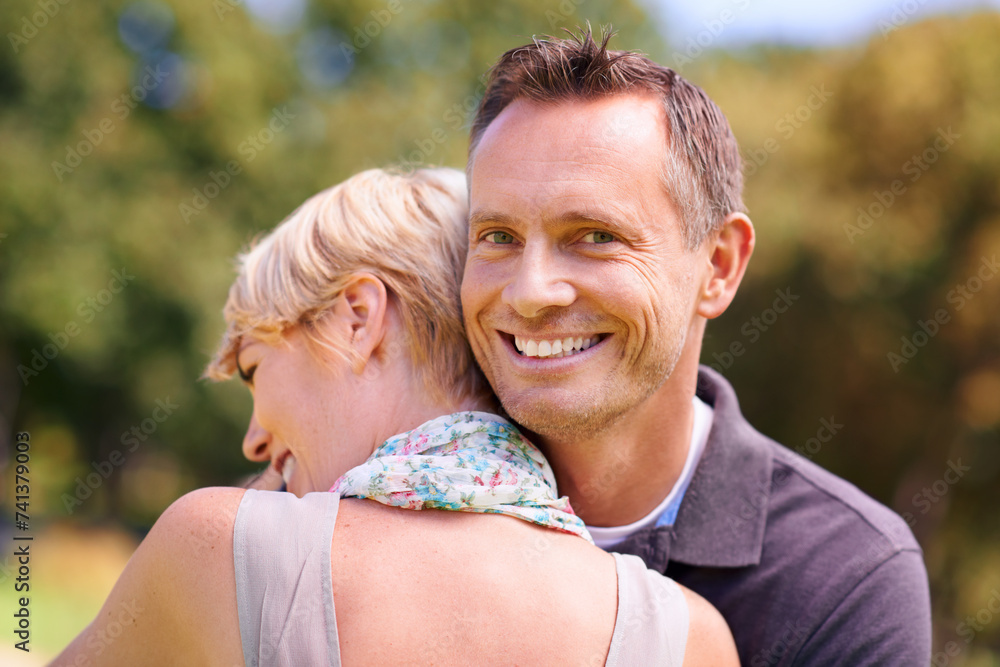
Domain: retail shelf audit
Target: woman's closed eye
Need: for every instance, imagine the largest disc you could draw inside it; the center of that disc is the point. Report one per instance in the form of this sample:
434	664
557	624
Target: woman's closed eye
246	375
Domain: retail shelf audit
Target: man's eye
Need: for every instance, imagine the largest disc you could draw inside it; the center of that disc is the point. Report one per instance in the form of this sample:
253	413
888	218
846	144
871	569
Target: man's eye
501	238
598	237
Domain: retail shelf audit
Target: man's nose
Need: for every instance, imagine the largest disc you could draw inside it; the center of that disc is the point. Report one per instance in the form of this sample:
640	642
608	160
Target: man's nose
539	282
257	442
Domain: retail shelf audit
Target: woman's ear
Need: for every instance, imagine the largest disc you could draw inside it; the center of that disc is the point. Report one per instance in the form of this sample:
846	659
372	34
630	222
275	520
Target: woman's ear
728	255
361	314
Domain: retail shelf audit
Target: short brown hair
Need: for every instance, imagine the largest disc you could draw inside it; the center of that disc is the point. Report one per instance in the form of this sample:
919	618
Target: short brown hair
702	168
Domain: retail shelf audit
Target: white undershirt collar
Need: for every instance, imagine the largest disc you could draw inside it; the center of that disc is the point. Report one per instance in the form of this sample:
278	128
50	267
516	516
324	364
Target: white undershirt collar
665	513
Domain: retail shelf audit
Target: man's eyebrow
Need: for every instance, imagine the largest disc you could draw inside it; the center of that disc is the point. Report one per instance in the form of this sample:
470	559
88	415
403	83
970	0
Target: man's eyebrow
480	218
601	218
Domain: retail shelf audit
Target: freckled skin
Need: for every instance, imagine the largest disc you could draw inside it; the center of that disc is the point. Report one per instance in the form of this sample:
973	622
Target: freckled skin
545	178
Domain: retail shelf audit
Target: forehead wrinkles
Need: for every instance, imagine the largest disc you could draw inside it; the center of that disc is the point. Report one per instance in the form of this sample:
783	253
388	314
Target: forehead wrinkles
551	188
545	161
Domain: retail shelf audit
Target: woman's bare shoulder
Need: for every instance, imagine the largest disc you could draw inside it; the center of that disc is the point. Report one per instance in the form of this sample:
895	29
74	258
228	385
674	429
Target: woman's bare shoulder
202	519
181	575
709	643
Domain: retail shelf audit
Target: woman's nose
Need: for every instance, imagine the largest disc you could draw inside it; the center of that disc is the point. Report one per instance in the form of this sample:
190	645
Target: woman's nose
257	442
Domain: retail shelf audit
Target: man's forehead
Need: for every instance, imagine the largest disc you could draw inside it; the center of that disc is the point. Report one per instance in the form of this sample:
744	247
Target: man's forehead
612	118
560	156
595	193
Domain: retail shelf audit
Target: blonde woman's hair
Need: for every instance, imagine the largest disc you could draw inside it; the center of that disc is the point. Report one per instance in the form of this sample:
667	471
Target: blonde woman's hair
408	229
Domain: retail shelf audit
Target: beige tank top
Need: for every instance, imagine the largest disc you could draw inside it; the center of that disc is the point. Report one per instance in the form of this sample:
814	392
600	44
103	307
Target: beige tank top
284	591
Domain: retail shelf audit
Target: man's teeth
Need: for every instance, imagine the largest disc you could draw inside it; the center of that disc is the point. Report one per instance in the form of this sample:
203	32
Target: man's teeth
287	469
560	347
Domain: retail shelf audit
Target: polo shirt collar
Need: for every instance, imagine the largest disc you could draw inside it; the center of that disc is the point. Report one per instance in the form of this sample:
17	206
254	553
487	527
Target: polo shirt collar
722	518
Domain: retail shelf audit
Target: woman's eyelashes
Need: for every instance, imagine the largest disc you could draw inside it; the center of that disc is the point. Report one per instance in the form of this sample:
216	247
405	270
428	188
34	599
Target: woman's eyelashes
246	375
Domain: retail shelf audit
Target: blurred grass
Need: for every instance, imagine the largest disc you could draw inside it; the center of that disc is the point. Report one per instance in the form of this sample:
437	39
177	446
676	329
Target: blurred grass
73	569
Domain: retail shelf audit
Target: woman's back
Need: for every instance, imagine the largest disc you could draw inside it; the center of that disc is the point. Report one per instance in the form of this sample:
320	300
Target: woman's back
436	587
426	587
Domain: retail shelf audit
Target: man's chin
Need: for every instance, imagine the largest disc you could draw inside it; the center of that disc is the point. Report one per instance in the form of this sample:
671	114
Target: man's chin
557	418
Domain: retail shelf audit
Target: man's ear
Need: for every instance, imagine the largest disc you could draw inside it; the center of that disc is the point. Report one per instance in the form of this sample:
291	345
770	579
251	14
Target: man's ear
361	311
728	255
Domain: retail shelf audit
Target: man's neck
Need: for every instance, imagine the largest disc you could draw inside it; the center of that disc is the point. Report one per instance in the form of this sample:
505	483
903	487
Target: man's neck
618	476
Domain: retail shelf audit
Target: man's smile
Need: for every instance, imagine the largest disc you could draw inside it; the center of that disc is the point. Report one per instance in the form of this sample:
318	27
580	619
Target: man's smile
554	347
534	348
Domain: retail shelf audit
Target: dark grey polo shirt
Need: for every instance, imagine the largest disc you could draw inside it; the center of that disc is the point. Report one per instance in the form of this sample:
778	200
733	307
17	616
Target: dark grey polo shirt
806	569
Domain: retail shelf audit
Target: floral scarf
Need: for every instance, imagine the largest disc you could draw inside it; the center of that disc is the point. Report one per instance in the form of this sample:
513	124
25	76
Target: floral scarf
466	462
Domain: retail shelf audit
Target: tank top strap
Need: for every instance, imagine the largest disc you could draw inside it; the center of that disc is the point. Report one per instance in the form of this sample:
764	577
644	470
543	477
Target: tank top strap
652	622
284	591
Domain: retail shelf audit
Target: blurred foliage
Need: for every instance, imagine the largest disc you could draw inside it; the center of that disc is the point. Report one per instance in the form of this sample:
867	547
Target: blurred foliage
246	122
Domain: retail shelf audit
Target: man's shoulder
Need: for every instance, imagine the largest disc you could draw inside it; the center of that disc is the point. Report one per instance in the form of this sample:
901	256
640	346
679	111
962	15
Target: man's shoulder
838	570
810	500
859	576
783	497
839	574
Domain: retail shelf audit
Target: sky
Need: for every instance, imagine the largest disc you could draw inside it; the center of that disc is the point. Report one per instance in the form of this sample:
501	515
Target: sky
735	23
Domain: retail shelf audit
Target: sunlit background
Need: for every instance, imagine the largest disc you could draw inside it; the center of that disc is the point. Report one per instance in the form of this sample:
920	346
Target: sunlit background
142	144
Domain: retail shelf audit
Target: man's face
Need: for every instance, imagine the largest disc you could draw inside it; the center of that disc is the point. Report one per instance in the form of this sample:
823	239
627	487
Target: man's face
574	239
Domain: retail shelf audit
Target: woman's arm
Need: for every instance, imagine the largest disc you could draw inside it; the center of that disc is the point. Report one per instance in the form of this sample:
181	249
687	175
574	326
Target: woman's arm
175	603
709	643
